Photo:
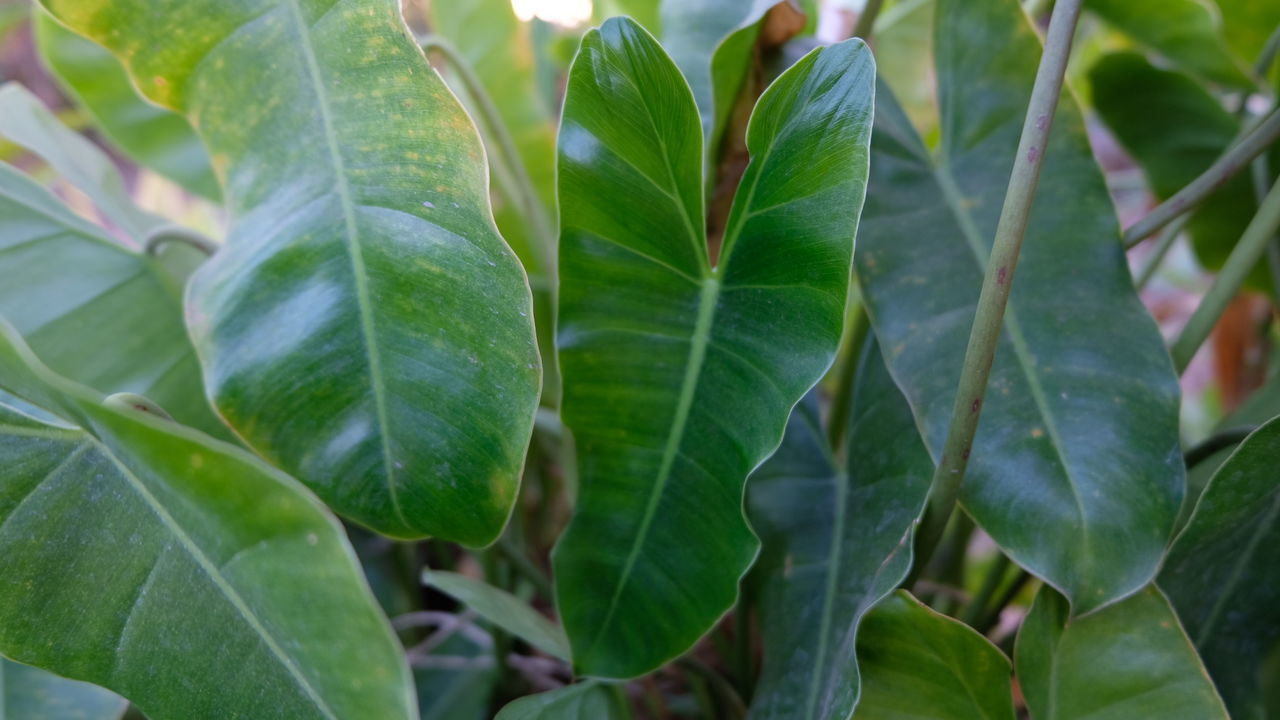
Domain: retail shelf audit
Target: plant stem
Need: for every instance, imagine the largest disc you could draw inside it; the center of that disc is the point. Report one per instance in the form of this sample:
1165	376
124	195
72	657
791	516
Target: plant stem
734	706
989	319
1235	159
1218	441
1252	245
1268	54
838	421
1167	238
978	607
521	190
524	567
867	20
1010	592
164	235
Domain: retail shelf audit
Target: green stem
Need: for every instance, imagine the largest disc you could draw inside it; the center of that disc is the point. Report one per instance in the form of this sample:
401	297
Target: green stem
1167	238
978	608
1247	253
161	236
867	20
520	188
989	319
1268	54
1010	592
743	655
524	567
838	421
1218	441
1235	159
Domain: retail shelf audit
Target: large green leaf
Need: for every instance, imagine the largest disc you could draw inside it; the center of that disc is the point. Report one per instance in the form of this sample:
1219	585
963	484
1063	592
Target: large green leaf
1222	574
712	42
176	570
365	328
1130	660
583	701
27	693
97	312
1247	24
154	137
500	49
679	374
1076	469
502	609
835	542
1175	129
917	663
1189	32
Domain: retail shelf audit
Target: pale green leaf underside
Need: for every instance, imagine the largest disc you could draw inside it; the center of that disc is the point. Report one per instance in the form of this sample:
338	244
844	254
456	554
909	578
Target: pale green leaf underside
28	693
502	609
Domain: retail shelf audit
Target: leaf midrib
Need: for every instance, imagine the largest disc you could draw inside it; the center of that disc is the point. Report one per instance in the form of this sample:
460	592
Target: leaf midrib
951	193
352	237
215	576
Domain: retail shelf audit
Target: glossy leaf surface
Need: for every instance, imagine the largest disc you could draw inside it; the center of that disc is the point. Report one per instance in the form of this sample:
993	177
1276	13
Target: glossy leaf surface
366	328
1076	469
835	542
95	311
1222	575
154	137
1188	32
1175	129
917	663
502	609
176	570
1130	660
27	693
679	375
583	701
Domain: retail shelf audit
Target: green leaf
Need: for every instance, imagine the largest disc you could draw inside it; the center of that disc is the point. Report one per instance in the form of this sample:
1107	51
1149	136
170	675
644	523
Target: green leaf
153	137
834	544
502	609
917	663
679	375
1247	24
202	583
26	121
1175	129
1188	32
1130	660
97	312
500	49
27	693
583	701
1076	470
712	42
1222	575
365	328
456	682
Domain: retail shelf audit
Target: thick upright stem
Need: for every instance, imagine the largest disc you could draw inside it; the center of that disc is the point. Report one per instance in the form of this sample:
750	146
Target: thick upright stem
856	333
1247	253
867	20
520	190
1235	159
989	319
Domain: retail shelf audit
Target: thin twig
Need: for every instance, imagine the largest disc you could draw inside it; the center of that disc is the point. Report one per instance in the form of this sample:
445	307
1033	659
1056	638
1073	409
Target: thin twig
989	319
1167	238
976	610
161	236
1235	159
867	20
1253	244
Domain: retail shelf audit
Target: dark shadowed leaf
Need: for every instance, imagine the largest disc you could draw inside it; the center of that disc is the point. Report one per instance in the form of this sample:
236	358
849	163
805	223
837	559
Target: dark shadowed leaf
1175	129
834	543
917	663
1222	574
28	693
456	681
1076	470
1129	660
679	374
365	328
154	137
176	570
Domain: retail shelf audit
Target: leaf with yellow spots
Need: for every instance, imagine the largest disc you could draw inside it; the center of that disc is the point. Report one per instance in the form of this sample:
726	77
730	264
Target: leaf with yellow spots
345	262
177	570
